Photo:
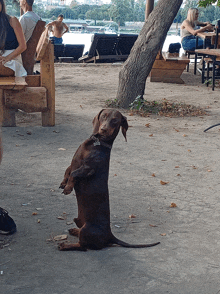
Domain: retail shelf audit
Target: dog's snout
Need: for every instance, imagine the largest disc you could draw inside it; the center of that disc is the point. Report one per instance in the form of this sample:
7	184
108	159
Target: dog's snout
104	127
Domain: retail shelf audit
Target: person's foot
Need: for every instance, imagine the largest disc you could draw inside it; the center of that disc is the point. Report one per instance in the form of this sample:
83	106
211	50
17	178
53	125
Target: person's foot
7	225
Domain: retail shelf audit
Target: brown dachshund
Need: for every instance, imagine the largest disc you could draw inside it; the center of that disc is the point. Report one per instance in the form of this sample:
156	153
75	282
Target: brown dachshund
88	175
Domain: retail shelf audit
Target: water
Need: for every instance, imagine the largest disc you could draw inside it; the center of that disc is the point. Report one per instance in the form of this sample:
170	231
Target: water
78	38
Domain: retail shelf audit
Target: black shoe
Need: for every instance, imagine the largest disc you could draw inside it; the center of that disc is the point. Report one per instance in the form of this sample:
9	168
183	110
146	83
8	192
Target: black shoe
7	225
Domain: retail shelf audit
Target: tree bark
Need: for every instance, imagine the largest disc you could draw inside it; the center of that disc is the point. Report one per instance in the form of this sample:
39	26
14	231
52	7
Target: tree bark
133	75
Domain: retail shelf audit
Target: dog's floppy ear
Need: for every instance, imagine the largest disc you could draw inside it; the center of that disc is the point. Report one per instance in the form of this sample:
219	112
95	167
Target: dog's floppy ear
96	123
124	126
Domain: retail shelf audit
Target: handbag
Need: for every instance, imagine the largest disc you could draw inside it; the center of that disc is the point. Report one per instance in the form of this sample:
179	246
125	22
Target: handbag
7	224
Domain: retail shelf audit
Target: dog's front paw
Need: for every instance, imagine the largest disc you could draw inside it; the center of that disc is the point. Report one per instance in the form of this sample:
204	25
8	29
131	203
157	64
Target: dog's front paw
62	246
67	190
62	186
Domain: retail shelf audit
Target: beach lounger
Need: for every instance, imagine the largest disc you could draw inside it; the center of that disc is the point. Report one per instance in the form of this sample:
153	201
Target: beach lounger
75	51
108	47
103	48
58	50
125	43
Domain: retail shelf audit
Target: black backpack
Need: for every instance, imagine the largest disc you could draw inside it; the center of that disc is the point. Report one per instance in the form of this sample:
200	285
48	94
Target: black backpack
7	225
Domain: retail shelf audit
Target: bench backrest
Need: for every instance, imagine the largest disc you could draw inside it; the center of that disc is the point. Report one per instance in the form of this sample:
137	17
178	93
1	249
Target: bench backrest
28	56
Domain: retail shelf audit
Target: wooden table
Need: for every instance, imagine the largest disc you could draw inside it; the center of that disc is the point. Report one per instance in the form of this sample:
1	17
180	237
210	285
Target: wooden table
214	54
209	35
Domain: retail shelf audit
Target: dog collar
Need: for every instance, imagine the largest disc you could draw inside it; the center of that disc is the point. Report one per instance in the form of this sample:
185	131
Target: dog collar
97	143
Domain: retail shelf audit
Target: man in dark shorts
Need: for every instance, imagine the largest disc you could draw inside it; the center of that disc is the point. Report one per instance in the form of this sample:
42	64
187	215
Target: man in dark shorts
59	28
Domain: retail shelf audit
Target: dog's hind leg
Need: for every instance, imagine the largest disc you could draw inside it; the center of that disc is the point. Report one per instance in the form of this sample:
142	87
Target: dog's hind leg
69	246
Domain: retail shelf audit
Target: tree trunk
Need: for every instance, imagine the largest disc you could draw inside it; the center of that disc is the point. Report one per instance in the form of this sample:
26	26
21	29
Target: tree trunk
133	75
149	8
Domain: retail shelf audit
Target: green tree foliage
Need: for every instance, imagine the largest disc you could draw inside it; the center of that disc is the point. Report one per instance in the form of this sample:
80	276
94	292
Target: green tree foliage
204	3
98	12
12	7
209	13
119	11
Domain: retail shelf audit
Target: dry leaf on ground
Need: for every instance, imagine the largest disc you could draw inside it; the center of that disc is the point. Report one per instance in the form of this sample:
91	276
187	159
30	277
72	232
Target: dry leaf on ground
60	237
173	204
164	183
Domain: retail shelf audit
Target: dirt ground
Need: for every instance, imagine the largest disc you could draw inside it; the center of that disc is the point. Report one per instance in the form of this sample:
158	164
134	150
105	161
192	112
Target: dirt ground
172	150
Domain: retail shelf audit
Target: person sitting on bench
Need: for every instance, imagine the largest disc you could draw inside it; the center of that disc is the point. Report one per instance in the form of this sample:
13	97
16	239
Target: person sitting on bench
29	19
189	30
12	43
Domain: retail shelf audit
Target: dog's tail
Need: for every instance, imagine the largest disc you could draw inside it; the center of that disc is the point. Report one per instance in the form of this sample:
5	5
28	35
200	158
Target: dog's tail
212	127
114	240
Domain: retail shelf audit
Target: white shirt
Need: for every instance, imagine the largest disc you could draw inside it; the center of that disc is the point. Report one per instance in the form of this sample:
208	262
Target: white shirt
28	22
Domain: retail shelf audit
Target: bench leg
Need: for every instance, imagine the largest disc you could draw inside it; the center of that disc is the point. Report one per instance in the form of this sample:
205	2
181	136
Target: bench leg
195	64
207	74
213	76
8	115
48	81
203	70
187	67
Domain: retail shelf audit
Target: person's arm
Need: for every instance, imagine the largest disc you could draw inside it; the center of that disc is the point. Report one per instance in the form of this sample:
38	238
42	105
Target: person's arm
66	27
203	24
21	41
190	29
50	24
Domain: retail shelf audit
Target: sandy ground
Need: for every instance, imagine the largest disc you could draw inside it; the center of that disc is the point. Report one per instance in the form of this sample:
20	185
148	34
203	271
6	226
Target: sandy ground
175	150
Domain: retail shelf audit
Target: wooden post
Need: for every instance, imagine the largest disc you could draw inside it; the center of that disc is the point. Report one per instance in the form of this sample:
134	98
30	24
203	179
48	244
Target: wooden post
1	119
149	8
1	107
7	116
48	81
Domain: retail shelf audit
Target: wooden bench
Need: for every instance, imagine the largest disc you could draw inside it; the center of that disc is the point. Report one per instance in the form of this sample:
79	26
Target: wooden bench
33	93
210	56
168	68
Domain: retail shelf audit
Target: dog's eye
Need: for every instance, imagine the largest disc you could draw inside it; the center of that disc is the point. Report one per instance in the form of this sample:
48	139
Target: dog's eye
114	122
104	116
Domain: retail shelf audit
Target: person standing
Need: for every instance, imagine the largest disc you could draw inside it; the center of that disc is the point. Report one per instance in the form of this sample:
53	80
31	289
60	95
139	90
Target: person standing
59	28
29	19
